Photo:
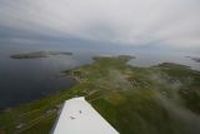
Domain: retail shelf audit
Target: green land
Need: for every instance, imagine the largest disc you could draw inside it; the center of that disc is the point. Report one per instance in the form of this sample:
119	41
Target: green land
163	99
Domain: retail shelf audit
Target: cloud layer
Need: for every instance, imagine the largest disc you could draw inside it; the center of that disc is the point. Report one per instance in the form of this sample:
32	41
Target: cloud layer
134	22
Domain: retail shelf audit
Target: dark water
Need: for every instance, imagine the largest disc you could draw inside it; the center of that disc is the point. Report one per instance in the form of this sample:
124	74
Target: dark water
25	80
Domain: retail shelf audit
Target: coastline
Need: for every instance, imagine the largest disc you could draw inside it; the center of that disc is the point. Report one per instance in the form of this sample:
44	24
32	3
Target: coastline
108	84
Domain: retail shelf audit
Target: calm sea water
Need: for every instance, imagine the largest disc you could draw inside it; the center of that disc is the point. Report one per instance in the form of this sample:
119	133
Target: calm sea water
25	80
22	81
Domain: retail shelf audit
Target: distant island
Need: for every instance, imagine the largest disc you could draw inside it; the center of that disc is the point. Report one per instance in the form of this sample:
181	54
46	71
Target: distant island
39	54
197	59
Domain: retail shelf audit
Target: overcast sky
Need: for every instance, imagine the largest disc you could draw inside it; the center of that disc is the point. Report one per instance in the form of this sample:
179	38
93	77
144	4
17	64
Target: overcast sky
173	23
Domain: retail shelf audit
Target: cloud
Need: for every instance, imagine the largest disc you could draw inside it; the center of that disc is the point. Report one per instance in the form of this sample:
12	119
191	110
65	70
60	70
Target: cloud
134	22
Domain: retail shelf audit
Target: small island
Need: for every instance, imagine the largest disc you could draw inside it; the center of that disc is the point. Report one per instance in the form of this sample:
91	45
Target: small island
197	59
39	54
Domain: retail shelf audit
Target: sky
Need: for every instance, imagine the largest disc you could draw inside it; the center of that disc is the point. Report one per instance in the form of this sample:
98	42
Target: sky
166	23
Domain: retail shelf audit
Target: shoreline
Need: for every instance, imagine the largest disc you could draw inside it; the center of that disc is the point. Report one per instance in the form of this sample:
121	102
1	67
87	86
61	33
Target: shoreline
113	87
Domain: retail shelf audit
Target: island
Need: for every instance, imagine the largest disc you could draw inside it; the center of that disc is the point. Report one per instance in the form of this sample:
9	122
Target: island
39	54
161	99
197	59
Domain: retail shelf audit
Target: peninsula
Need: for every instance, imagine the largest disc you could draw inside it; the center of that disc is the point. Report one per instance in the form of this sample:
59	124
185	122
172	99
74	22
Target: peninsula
161	99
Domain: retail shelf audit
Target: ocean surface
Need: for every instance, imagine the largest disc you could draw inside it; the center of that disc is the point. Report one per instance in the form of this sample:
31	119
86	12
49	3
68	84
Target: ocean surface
25	80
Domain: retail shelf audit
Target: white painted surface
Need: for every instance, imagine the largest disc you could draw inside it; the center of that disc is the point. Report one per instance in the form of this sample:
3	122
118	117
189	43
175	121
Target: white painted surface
79	117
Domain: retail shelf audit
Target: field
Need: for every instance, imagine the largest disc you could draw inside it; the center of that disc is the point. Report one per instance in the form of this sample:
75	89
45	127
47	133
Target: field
161	99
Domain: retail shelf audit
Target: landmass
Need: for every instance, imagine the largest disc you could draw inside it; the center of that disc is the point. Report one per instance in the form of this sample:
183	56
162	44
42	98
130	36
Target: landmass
197	59
160	99
39	54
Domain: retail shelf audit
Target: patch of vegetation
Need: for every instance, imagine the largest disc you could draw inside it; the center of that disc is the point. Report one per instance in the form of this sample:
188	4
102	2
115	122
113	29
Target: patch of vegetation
157	100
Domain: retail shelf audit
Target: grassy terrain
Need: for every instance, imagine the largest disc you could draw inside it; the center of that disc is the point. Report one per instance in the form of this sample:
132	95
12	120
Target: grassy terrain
157	100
